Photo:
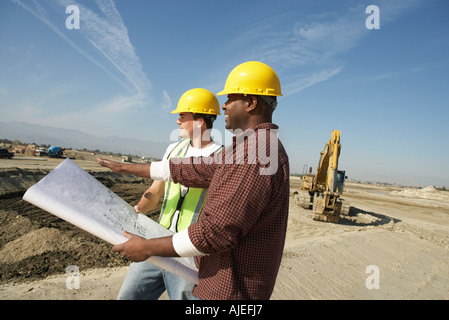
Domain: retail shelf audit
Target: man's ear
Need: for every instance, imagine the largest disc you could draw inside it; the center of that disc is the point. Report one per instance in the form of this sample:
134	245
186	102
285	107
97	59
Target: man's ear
252	103
199	122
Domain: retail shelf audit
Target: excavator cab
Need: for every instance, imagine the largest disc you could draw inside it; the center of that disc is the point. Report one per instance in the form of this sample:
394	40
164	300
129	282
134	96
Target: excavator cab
340	182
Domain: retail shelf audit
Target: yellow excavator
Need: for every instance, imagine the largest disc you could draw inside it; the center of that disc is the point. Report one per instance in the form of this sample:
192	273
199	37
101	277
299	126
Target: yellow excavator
323	189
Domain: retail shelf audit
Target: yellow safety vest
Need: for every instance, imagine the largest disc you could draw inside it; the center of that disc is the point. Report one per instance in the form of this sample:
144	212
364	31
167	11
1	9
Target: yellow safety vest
190	205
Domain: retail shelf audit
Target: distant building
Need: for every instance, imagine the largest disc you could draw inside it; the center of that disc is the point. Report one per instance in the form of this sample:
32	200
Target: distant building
30	149
19	149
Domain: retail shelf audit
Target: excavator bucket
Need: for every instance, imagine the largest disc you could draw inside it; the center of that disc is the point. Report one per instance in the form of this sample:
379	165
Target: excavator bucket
327	208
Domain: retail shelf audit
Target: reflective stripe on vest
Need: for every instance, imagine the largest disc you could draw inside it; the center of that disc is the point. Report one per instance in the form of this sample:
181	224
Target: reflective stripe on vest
189	206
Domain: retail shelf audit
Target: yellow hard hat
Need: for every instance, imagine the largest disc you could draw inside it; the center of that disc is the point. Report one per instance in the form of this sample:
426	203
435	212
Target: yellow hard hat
252	77
198	101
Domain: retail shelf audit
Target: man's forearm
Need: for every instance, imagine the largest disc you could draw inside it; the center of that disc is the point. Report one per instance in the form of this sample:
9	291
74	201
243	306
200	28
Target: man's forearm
151	197
147	202
137	169
162	247
139	249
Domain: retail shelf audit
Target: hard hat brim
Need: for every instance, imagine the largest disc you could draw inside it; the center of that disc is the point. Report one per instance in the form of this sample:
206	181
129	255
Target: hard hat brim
226	92
210	111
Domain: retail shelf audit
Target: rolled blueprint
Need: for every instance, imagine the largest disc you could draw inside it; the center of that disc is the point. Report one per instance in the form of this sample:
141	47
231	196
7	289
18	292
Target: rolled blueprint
73	195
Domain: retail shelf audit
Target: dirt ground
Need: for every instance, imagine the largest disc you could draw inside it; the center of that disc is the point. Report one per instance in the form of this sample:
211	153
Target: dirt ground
393	245
34	243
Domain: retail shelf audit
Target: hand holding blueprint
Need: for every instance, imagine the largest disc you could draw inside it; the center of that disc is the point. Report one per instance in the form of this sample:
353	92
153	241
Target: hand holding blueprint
75	196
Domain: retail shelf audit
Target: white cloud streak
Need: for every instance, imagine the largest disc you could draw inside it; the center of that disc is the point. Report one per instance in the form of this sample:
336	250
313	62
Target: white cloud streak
39	12
166	101
108	35
299	83
312	50
106	32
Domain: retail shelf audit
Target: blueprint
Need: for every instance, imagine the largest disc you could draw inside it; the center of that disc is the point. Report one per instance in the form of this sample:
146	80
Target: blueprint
75	196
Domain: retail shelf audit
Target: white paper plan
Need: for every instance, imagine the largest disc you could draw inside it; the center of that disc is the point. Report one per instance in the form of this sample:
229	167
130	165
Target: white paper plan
75	196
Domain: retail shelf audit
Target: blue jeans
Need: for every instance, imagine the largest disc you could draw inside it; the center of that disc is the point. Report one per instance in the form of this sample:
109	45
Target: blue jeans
145	281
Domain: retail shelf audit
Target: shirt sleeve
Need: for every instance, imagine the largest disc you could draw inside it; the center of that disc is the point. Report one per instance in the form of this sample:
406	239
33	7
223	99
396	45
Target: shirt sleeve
234	205
160	170
196	172
183	246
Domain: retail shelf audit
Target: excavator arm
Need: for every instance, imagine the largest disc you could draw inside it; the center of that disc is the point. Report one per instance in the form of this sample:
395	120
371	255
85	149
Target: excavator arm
326	172
335	147
323	190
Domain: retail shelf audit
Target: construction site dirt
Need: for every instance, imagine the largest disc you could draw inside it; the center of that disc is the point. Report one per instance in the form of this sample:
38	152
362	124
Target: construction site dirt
393	245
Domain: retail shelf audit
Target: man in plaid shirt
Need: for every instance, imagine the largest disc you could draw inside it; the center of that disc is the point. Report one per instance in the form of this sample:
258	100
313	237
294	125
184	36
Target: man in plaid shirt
239	237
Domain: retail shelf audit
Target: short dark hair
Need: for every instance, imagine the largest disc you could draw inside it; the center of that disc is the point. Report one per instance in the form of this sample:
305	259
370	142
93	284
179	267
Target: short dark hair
269	101
208	119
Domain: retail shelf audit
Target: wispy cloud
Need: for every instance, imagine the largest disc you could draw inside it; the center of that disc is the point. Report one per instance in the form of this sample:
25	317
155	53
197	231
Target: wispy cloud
39	12
166	101
381	76
108	34
298	83
102	28
313	49
102	119
310	51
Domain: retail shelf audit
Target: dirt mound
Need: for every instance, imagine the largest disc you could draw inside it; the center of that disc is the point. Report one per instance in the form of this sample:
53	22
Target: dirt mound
428	192
15	181
35	243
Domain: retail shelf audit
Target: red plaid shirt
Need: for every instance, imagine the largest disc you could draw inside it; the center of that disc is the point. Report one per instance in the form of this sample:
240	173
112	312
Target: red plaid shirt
243	223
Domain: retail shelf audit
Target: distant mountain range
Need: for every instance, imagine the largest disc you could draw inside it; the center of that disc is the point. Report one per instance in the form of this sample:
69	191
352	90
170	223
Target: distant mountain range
31	133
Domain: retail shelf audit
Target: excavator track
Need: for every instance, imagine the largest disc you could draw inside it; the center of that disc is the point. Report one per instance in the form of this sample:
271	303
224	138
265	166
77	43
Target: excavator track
304	199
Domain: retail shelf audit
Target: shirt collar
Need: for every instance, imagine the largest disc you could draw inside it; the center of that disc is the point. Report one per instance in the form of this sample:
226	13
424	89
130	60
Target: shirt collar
263	126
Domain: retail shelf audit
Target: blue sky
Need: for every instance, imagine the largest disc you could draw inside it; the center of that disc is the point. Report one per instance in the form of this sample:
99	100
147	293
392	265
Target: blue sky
125	68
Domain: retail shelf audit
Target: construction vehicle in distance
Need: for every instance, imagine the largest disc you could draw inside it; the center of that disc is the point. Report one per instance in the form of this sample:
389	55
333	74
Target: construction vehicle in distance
55	152
323	189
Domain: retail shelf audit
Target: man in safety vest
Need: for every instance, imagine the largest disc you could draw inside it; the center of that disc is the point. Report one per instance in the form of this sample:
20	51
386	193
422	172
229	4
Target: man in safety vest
197	109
